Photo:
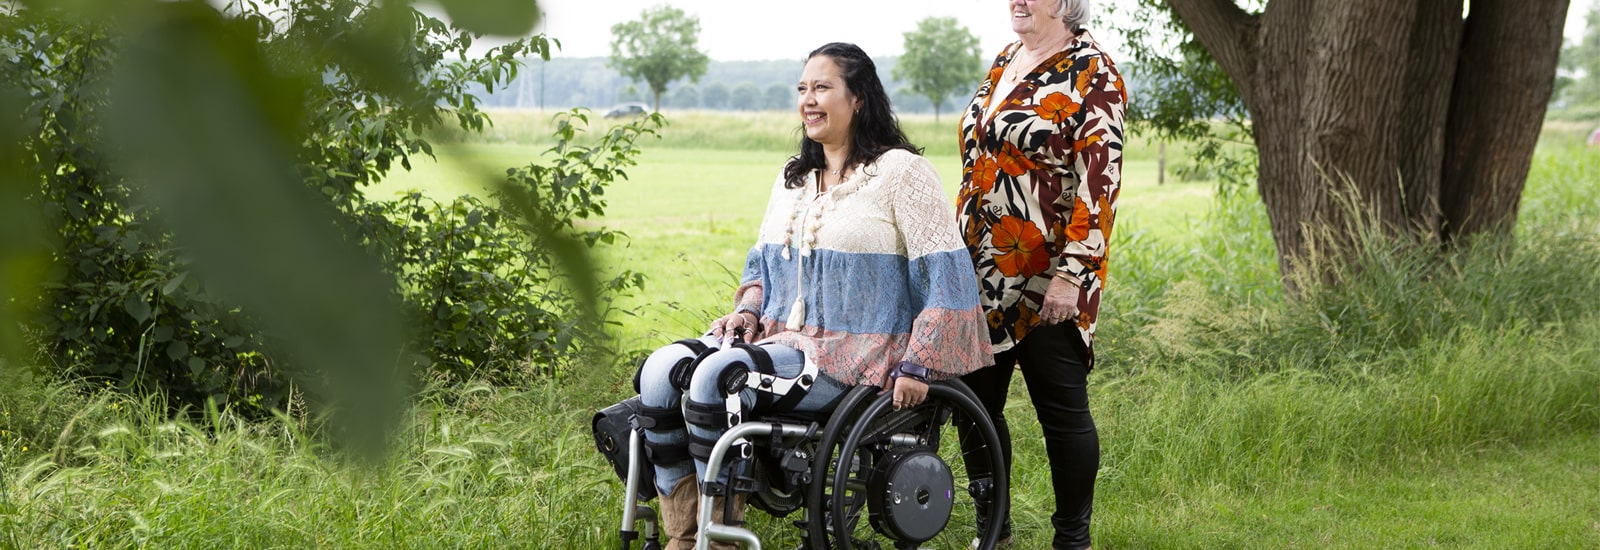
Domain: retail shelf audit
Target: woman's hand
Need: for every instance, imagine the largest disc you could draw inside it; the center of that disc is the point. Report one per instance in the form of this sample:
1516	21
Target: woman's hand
908	392
1060	301
742	322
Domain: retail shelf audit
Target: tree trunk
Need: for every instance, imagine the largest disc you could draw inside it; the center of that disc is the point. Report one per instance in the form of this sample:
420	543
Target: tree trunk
1507	71
1161	163
1396	116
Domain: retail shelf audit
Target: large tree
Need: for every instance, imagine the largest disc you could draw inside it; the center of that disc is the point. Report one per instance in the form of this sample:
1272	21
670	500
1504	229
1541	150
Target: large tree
658	48
1424	113
941	58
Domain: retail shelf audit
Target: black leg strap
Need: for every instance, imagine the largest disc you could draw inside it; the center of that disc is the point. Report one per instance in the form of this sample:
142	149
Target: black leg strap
710	417
666	453
658	418
700	447
694	345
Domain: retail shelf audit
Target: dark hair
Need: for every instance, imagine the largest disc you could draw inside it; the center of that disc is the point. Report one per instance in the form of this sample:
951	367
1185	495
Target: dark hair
875	129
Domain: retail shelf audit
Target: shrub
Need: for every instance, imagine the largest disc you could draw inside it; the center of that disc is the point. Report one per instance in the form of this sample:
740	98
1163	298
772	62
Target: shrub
352	86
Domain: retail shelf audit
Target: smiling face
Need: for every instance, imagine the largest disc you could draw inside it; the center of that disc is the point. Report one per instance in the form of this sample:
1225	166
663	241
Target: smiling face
827	107
1034	16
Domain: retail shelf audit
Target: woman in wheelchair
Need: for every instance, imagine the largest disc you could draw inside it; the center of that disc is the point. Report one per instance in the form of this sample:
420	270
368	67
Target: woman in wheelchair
858	277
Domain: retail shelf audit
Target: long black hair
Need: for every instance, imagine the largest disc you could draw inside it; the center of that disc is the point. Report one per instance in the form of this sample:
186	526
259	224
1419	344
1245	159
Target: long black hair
874	130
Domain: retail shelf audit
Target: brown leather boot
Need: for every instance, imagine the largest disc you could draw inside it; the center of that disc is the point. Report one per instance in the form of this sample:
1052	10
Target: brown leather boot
735	518
680	514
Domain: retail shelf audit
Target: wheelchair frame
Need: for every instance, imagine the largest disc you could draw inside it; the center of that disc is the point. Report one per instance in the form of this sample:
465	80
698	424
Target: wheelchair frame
868	431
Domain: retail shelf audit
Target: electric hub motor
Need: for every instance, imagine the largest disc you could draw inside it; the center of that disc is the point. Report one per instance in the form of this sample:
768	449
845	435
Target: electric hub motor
911	494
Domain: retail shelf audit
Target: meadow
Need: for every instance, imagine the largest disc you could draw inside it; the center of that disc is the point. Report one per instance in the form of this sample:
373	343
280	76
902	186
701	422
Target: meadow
1435	400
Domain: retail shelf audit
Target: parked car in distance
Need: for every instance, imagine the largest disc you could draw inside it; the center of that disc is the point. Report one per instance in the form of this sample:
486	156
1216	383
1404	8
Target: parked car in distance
627	110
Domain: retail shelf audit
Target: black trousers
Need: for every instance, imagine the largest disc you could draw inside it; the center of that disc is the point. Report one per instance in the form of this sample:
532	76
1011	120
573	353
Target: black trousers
1054	365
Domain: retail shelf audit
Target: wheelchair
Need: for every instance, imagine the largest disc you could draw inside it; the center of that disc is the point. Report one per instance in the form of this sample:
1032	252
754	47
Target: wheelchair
863	476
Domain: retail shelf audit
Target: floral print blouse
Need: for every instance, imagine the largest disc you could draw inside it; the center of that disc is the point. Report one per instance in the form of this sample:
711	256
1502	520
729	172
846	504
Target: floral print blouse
1041	171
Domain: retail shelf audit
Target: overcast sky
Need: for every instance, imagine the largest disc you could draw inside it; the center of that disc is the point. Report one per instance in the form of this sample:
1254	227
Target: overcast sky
735	30
742	30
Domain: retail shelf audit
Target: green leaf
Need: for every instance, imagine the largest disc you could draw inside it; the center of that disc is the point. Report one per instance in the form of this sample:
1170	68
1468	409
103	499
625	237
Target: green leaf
196	365
495	17
137	307
178	350
161	334
208	128
172	285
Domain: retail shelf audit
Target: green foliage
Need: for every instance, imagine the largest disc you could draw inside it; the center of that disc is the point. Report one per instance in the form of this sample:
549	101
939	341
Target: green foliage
202	176
658	48
941	58
486	297
1582	62
1178	91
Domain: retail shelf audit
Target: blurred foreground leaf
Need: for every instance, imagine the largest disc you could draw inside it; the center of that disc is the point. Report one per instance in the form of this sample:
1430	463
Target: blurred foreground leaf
496	17
206	130
24	245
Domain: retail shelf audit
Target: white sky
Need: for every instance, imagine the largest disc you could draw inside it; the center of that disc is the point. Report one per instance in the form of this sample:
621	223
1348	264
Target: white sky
743	30
740	30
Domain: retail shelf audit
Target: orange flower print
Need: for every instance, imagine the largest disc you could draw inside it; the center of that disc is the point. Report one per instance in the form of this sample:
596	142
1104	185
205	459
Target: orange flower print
1021	247
995	72
1027	318
1087	75
1078	229
1057	108
1106	217
983	173
995	317
1013	161
1085	143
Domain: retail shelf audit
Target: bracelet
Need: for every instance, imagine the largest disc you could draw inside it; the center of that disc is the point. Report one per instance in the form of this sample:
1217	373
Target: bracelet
1068	277
755	323
909	370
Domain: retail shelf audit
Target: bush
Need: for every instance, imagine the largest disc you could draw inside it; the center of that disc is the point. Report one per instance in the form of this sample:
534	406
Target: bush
351	86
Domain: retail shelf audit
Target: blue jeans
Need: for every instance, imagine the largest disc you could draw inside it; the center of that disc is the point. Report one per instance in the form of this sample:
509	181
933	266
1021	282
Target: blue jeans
656	390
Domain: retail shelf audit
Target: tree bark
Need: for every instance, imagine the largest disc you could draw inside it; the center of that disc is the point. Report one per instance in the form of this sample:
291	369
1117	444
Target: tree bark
1399	117
1509	53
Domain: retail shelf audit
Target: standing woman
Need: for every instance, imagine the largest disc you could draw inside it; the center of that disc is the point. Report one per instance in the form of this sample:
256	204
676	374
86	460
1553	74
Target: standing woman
1041	170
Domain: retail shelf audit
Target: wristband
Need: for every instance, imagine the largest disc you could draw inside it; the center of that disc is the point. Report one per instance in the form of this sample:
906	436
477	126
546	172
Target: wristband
909	370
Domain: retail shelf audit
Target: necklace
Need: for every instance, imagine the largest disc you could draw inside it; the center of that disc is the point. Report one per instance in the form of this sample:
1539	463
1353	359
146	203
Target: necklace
1017	68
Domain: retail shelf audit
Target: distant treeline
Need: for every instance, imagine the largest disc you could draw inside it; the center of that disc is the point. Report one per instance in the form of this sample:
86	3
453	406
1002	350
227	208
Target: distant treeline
563	83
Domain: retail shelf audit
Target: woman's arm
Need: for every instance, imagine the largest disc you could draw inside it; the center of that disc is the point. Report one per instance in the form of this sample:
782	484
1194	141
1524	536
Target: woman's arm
948	334
1097	158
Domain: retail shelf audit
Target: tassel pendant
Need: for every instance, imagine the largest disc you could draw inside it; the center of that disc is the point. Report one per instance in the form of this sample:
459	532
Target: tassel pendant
797	314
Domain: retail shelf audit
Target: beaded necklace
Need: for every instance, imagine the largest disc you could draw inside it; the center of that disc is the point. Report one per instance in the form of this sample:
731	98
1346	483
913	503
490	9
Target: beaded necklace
812	225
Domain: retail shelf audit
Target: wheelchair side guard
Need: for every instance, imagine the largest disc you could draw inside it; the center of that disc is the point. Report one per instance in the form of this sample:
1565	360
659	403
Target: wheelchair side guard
613	426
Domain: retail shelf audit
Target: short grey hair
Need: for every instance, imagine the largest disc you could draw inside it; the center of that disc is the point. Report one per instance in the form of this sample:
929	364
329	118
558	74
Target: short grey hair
1074	13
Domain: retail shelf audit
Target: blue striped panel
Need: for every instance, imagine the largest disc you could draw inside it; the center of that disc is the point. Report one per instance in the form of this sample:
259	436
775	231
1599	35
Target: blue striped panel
865	293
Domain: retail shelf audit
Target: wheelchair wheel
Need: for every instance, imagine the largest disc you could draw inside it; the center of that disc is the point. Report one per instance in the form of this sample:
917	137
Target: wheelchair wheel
889	479
819	492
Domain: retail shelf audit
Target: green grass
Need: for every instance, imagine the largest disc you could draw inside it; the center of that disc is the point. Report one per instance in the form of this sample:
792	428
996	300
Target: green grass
691	207
1450	404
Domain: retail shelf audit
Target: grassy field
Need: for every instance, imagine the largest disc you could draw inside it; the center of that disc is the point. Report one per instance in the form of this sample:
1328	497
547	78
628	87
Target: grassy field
692	205
1424	407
